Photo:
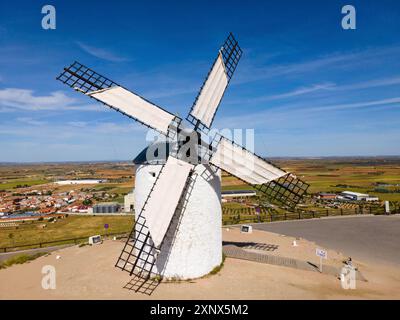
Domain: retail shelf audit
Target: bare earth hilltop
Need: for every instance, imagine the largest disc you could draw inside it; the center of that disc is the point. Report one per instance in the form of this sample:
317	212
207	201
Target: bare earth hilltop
88	273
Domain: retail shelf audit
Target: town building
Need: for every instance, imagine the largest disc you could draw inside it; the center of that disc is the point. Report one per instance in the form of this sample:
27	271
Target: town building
326	196
129	202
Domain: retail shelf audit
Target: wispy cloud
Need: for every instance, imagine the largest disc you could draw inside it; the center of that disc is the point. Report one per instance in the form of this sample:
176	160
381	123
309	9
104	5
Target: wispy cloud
101	53
77	124
328	88
340	61
293	93
302	112
26	100
70	129
31	121
170	79
12	99
390	81
364	104
70	141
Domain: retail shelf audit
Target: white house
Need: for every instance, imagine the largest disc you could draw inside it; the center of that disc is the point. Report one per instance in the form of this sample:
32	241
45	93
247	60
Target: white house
355	196
129	201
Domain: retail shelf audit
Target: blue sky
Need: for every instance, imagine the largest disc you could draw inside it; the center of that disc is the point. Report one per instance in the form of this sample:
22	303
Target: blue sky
307	87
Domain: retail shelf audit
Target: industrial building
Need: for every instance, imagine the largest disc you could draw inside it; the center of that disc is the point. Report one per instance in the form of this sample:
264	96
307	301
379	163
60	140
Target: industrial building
108	207
355	196
83	181
238	193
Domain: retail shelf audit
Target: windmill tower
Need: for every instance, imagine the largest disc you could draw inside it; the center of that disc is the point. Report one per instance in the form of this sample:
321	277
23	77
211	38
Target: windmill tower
177	231
192	244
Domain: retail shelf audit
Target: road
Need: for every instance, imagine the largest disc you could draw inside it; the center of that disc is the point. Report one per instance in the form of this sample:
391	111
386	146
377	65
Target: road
368	238
8	255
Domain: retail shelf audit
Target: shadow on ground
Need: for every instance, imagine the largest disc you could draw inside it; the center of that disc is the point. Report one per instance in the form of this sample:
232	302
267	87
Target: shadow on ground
252	245
145	286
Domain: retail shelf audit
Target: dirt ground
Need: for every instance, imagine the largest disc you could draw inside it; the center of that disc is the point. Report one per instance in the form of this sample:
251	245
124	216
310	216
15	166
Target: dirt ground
88	273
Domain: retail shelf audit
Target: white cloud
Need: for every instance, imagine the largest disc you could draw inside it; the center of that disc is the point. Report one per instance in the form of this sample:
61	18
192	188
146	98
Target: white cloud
371	84
77	124
31	121
69	129
26	100
68	141
12	99
294	93
340	61
327	87
101	53
357	105
301	112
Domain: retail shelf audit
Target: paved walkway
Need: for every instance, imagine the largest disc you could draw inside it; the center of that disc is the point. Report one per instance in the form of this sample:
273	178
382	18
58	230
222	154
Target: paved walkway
8	255
368	238
236	252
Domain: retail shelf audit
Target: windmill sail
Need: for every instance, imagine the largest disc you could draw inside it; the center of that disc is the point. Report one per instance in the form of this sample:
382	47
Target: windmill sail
165	197
213	89
144	242
279	185
139	253
98	87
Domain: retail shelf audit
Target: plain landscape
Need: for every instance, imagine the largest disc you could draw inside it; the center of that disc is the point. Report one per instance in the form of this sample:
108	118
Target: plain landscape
40	239
379	176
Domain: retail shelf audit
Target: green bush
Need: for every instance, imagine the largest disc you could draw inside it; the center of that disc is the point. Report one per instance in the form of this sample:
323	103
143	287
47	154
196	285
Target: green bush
20	259
219	267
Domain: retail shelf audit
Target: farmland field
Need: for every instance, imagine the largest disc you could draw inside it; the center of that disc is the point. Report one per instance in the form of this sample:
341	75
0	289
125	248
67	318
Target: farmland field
377	176
17	177
66	228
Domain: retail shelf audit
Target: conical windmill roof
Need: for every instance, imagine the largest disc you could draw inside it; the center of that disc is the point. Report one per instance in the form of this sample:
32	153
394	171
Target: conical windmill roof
155	153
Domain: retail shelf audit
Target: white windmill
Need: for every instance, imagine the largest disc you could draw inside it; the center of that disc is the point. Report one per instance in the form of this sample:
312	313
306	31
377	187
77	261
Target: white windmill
177	230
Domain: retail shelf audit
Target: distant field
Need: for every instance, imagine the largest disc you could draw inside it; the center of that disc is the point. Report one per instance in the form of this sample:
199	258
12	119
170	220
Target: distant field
119	176
70	227
25	182
359	175
336	175
323	175
366	175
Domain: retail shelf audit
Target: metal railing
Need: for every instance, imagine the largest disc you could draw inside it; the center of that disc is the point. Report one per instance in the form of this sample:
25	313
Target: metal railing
270	217
228	219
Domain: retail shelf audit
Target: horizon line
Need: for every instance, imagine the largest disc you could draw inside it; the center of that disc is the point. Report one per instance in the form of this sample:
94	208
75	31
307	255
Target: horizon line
130	161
